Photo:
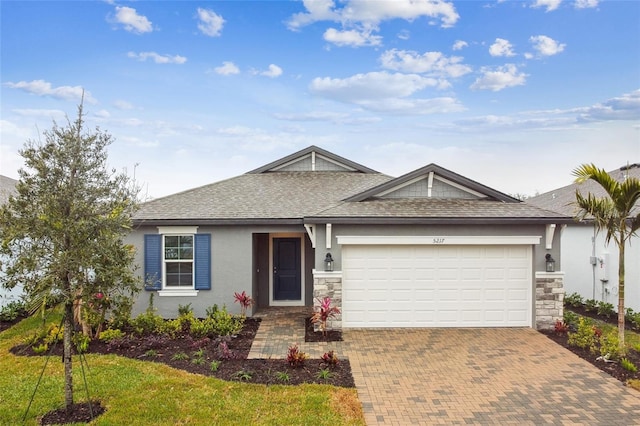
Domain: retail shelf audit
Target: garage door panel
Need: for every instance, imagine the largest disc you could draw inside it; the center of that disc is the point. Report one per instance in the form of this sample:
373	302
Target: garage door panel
436	286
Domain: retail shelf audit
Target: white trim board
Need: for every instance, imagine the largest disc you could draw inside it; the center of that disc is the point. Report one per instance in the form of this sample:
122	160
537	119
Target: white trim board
437	240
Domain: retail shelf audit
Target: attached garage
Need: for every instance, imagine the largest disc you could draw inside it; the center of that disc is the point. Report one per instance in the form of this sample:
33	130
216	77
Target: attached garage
437	281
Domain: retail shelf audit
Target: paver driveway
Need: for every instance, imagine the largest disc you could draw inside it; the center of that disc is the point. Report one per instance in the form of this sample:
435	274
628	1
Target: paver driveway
461	376
481	376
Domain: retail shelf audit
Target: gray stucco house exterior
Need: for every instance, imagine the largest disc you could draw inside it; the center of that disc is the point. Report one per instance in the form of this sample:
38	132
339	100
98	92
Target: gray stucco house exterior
8	189
428	249
590	265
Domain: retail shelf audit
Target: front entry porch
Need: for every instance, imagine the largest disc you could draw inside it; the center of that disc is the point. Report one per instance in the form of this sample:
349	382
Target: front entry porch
282	269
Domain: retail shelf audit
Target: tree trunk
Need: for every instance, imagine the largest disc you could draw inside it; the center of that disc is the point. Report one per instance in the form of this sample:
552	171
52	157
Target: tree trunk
621	294
66	357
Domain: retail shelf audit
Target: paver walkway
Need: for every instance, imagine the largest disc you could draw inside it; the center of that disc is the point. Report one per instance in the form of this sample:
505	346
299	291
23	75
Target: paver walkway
463	376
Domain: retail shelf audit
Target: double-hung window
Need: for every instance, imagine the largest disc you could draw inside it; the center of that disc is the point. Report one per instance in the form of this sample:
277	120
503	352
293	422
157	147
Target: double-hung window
177	261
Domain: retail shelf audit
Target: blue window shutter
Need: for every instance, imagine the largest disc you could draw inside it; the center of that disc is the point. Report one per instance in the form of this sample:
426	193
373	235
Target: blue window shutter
153	262
202	259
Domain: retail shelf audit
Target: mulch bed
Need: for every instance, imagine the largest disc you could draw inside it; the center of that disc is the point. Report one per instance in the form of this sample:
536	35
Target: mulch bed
614	369
197	355
82	412
316	336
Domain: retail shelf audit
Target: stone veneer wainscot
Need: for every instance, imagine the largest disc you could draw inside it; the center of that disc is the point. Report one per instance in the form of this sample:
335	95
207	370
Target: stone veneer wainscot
549	299
328	284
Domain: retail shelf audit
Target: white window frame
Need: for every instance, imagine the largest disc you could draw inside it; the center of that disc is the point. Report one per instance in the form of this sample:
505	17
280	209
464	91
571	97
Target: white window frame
179	231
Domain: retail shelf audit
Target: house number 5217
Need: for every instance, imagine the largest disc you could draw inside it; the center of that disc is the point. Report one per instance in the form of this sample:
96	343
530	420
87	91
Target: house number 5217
438	241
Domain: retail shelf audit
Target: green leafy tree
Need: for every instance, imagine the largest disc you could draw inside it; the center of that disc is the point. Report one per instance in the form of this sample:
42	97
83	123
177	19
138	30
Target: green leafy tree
63	232
613	214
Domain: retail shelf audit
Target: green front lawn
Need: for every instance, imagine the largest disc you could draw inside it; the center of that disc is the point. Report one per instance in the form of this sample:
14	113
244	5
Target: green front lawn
143	392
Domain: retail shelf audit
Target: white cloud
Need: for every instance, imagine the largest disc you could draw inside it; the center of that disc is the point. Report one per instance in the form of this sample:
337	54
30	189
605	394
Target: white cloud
131	21
431	63
385	92
404	35
549	4
585	4
499	78
273	71
326	116
373	85
353	38
44	88
123	105
625	107
545	46
317	10
210	22
414	106
501	47
356	15
157	58
227	68
460	44
103	113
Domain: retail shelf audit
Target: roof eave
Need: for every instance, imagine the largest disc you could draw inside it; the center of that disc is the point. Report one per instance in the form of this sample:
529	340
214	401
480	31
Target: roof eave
438	220
217	222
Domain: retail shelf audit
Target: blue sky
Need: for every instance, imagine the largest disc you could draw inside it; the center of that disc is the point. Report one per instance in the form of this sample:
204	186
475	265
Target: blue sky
513	94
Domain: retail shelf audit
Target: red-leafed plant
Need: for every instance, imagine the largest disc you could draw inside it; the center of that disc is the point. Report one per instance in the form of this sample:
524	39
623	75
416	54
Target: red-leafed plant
323	312
330	358
295	357
561	327
244	300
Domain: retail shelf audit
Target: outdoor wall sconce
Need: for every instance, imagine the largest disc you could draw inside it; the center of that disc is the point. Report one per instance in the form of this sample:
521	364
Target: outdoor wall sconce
551	264
328	263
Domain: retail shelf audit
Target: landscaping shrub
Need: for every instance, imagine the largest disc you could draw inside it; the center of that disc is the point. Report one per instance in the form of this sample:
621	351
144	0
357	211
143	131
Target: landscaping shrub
584	337
330	358
574	300
295	357
13	310
225	324
628	365
244	300
610	345
149	322
561	327
571	319
590	305
606	309
111	333
323	312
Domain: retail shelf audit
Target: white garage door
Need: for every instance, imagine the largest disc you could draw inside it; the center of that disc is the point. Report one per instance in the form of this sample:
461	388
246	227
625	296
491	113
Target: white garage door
436	286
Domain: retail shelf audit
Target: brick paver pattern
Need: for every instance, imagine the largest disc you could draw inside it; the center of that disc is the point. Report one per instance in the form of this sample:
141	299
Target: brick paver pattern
462	376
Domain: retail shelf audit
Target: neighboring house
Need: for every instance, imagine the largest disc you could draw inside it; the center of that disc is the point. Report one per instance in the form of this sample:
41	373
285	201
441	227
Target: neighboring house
8	188
428	249
590	265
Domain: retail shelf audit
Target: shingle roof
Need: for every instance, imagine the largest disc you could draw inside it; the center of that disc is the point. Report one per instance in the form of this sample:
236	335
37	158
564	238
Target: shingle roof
436	210
265	196
280	195
7	188
562	200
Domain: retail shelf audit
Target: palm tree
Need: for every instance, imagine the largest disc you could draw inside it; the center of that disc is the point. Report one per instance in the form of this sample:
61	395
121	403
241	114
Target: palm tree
614	214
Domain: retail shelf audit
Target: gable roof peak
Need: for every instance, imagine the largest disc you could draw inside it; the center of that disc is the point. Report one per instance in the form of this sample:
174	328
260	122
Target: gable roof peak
437	170
313	151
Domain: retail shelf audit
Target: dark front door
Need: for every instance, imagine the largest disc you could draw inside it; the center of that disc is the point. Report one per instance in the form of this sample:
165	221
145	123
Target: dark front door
286	269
